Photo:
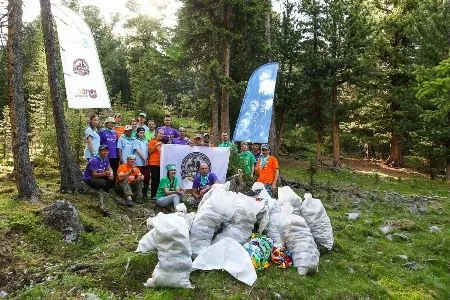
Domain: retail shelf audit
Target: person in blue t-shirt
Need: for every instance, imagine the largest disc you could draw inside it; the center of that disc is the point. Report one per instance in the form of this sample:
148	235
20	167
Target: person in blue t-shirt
91	137
202	183
141	153
125	144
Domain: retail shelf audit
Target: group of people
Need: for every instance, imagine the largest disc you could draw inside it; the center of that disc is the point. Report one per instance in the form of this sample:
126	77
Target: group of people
127	158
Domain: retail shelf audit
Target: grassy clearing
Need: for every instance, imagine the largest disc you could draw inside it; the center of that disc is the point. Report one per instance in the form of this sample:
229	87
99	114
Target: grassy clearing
37	264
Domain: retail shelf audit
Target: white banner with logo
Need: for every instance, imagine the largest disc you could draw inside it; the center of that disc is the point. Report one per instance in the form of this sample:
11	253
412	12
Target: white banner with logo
188	160
83	76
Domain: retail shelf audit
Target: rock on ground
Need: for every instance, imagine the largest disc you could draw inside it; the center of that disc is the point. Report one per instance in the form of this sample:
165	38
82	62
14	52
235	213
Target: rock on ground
63	216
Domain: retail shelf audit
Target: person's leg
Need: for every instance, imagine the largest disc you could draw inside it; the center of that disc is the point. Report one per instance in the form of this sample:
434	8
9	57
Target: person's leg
268	188
137	189
98	183
114	163
127	191
145	170
168	200
154	171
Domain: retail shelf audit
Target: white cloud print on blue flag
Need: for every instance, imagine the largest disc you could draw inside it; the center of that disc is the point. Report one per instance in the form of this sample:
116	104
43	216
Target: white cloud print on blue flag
256	111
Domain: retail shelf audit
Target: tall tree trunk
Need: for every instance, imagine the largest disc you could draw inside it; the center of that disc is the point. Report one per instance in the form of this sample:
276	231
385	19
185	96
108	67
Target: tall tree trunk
225	97
335	126
318	144
71	176
214	110
395	158
24	175
273	141
447	168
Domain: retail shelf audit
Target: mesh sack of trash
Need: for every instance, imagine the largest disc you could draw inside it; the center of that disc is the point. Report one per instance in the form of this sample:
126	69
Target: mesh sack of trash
260	249
318	221
174	251
287	195
299	240
212	213
241	225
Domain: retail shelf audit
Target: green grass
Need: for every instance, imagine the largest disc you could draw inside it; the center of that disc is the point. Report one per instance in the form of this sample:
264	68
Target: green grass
363	265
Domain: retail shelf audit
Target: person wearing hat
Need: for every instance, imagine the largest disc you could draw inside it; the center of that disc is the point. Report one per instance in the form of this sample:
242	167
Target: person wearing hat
202	183
169	189
154	161
130	180
99	175
141	121
108	137
247	159
125	144
182	139
169	131
141	151
198	140
267	169
118	128
206	142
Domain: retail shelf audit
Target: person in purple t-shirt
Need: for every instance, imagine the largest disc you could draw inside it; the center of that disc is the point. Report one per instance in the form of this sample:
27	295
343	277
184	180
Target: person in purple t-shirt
169	131
182	140
202	183
99	175
108	137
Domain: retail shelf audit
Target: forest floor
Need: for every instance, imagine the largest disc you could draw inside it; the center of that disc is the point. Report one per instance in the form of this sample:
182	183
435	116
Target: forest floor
397	248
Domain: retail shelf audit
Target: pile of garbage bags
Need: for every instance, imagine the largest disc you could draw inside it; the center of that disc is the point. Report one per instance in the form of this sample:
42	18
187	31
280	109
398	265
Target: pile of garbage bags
289	232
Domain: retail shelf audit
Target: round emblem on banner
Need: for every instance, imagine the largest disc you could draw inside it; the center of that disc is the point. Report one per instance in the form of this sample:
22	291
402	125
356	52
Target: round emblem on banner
191	163
80	67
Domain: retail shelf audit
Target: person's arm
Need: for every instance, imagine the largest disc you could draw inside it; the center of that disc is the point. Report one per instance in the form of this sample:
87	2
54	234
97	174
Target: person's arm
275	181
253	170
123	175
119	152
152	149
90	145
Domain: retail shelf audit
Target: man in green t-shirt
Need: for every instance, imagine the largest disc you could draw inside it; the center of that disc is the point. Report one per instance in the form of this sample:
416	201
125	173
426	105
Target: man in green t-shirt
226	142
248	159
169	189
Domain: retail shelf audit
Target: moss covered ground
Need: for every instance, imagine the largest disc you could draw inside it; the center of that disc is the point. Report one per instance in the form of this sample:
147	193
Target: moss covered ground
35	262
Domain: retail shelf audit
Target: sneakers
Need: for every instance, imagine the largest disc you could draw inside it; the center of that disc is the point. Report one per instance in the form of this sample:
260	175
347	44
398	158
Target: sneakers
129	202
105	212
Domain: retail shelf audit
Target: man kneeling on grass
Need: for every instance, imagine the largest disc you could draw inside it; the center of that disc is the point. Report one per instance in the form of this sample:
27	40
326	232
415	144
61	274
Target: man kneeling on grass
169	190
202	184
130	180
99	175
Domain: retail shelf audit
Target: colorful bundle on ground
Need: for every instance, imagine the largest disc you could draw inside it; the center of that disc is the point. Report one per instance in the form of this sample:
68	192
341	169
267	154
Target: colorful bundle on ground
260	249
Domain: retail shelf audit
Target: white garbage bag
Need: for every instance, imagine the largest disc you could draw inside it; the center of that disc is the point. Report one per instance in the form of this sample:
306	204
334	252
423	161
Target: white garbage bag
214	211
318	221
299	240
174	252
147	242
230	256
273	227
287	195
241	225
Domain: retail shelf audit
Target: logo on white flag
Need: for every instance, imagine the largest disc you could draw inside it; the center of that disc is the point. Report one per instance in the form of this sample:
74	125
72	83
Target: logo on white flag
191	163
80	67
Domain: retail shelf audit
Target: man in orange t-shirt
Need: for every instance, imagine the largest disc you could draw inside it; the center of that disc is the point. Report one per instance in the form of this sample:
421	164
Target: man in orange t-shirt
119	129
130	180
267	169
154	159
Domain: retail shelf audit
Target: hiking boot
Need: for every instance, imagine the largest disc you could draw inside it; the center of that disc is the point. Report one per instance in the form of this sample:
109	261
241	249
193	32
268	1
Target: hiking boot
129	202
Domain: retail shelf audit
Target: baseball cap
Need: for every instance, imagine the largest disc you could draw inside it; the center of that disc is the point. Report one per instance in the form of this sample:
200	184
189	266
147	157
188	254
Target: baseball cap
244	143
182	129
198	135
102	147
265	146
131	156
127	127
142	114
110	120
205	134
140	129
